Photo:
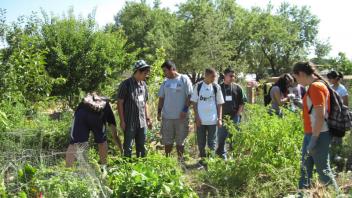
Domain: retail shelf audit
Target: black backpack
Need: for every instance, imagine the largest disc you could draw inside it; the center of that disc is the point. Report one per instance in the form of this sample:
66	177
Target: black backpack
267	97
340	117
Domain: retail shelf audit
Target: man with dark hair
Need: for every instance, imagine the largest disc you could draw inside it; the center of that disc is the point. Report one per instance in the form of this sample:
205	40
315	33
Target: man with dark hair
233	107
207	102
173	108
133	109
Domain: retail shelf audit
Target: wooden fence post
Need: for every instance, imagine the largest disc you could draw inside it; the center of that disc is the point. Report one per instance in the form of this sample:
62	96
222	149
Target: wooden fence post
251	94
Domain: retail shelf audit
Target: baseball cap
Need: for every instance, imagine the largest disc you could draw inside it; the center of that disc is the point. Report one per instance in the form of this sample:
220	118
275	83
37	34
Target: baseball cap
140	64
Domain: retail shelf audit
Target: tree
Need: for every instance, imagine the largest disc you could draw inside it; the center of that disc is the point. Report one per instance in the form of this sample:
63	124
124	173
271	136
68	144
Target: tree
82	54
24	75
22	68
282	37
202	38
342	64
148	29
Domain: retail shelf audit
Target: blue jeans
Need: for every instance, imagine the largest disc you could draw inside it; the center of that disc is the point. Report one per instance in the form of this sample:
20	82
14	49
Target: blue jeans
223	134
319	158
206	133
139	136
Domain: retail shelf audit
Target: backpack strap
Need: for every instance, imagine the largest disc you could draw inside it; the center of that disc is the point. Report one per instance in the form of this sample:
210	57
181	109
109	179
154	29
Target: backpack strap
311	107
199	86
215	92
215	89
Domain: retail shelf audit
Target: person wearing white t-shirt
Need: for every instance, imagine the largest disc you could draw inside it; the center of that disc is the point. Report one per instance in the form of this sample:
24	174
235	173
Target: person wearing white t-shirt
207	101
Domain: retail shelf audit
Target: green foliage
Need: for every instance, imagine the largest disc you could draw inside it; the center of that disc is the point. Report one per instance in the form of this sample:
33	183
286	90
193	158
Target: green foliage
220	33
24	72
64	183
81	54
3	121
26	174
148	29
203	37
265	156
155	176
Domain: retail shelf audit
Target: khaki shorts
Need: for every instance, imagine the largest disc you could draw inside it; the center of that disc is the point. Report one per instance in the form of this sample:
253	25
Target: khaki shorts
174	130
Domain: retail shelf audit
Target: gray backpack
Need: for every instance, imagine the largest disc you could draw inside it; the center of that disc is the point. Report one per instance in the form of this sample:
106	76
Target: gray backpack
340	117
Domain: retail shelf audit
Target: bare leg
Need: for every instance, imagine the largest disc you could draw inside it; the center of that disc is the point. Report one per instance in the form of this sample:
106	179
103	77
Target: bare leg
70	155
180	150
103	152
168	149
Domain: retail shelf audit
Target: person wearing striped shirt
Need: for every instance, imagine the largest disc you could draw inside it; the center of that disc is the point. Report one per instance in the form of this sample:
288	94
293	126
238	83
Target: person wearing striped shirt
133	109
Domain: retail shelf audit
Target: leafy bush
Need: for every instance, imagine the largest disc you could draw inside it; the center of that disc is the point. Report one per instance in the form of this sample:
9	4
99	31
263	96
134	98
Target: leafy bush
64	183
52	182
155	176
266	156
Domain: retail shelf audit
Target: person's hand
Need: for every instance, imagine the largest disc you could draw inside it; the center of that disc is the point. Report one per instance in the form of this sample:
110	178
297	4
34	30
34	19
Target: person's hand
198	122
120	148
159	117
312	144
219	123
123	125
298	102
183	115
149	123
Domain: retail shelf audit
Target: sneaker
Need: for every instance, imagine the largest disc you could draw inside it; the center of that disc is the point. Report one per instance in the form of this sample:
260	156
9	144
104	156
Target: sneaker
202	164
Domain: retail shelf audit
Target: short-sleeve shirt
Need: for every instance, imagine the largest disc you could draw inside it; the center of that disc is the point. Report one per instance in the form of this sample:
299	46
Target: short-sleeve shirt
317	95
175	92
207	102
233	97
297	91
135	96
108	115
275	104
341	90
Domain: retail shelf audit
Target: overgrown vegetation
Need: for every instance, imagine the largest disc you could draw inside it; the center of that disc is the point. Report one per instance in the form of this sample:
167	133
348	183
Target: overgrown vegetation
49	62
265	156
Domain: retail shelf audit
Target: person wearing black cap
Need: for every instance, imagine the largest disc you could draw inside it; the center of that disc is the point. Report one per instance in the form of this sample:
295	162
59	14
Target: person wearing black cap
133	109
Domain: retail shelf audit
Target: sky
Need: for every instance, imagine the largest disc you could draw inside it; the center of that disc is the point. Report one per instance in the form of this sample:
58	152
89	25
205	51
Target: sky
335	24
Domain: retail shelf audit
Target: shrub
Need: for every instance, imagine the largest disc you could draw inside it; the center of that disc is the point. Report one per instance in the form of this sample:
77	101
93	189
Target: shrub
155	176
265	156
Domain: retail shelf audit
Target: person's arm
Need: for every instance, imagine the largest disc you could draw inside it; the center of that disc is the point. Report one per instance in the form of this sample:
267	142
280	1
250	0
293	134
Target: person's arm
160	107
240	99
148	119
319	119
240	109
161	95
115	137
196	115
121	95
219	110
120	110
220	102
345	100
277	98
189	92
194	99
185	109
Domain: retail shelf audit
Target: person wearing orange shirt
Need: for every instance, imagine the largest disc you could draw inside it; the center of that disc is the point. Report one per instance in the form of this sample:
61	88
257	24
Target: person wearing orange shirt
316	142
